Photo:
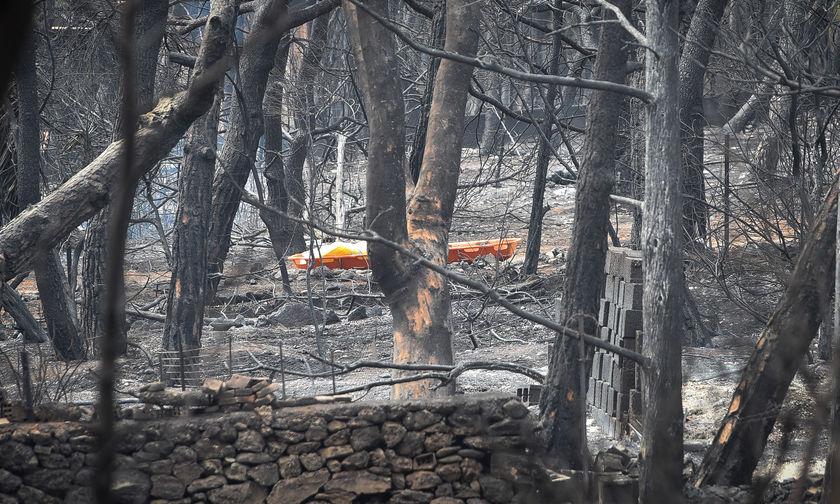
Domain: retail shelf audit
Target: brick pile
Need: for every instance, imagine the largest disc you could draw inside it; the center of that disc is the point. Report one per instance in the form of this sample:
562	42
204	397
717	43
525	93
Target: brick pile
614	378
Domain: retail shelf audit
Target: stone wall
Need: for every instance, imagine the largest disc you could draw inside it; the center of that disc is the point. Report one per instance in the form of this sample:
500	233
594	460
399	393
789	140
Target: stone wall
464	449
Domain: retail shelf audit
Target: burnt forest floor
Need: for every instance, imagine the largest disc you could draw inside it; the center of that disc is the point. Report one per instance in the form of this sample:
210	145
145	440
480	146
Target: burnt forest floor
483	331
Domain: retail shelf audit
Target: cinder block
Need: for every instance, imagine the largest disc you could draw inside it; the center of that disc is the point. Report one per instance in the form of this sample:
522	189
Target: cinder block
620	299
631	321
601	399
636	403
596	365
590	391
632	296
614	260
623	405
606	333
610	400
604	312
624	379
631	267
610	288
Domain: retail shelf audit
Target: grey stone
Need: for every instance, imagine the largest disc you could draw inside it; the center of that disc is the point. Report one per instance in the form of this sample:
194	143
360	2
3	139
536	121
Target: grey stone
50	480
412	444
358	482
422	480
297	490
331	452
236	472
495	490
393	433
312	461
515	409
208	483
130	486
18	457
358	313
264	474
9	482
253	458
167	487
365	438
418	420
410	497
250	441
358	460
243	493
187	471
289	467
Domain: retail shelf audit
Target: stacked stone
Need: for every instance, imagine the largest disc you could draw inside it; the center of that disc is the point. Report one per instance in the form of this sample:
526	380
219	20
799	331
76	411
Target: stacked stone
456	450
613	377
240	392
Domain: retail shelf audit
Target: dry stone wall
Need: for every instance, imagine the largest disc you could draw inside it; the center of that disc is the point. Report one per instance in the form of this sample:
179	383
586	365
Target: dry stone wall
464	449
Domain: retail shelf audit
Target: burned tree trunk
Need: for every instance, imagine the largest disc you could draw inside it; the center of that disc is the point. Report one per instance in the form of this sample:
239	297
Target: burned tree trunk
562	401
535	223
415	160
16	308
695	56
418	298
53	289
150	30
185	300
743	432
245	127
286	235
662	446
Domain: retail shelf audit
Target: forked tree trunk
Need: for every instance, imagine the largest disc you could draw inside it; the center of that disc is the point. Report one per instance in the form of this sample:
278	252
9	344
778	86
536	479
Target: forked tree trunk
415	161
742	435
662	445
56	299
418	298
562	401
236	159
185	300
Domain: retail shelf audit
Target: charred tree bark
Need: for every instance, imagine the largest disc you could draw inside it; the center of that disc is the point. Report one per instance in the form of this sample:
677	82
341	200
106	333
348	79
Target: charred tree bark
418	298
286	235
16	308
695	56
236	160
53	289
185	300
532	251
743	432
415	161
662	445
562	405
831	478
150	29
90	189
